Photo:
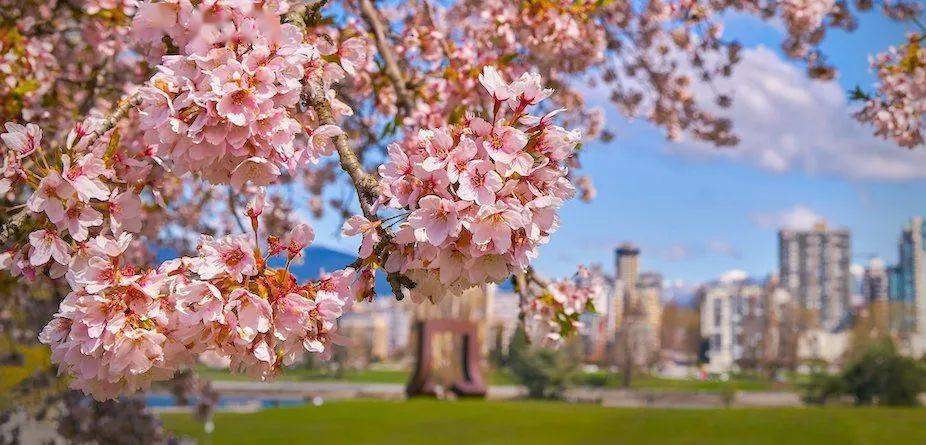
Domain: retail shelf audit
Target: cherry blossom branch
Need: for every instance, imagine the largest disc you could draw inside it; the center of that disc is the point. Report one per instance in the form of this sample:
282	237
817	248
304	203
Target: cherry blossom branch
520	286
365	184
10	229
372	17
536	278
109	122
233	209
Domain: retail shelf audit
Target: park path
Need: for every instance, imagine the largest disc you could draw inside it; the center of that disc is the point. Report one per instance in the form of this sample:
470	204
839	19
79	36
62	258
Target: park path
605	396
338	390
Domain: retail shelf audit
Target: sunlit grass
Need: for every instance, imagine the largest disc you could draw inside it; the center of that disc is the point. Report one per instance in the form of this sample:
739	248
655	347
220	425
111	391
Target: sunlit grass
482	422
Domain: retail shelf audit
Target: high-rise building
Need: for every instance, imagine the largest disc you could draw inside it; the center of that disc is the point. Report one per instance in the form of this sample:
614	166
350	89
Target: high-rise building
726	306
875	282
814	268
635	308
627	273
627	259
649	292
909	278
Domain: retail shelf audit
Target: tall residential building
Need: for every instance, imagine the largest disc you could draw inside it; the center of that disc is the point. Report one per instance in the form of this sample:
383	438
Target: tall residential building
814	268
909	280
725	305
627	273
627	259
875	282
649	292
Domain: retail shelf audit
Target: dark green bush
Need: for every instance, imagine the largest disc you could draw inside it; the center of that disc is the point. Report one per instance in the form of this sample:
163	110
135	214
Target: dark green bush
545	372
878	376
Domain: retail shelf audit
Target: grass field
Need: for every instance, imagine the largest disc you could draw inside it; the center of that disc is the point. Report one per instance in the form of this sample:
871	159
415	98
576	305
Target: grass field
365	376
479	422
501	377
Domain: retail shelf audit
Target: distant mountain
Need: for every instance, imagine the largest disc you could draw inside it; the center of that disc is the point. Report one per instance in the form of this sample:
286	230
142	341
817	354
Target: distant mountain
317	259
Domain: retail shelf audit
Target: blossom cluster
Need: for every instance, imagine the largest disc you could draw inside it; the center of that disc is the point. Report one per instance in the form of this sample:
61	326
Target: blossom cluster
898	110
225	107
122	327
804	16
77	196
478	197
554	315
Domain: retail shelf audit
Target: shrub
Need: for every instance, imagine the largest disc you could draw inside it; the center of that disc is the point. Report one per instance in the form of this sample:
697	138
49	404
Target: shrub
878	376
546	372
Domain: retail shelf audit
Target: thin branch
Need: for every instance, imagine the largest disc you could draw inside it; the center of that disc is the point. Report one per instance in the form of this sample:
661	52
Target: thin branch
11	229
538	279
233	208
366	185
374	21
125	105
520	286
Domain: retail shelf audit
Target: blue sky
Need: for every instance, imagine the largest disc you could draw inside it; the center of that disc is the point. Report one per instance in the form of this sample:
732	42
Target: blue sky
697	211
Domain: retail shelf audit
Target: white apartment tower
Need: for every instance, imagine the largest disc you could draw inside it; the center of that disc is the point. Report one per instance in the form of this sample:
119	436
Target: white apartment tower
814	268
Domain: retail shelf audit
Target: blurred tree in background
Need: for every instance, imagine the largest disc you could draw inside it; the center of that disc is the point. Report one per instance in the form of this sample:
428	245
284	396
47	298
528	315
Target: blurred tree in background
878	375
546	372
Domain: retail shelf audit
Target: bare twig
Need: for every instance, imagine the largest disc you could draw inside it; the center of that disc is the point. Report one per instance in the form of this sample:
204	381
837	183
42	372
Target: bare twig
374	21
539	280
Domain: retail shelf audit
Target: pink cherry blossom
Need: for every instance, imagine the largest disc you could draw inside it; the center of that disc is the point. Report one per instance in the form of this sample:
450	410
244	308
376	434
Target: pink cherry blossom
23	139
528	90
49	197
78	218
479	182
252	315
435	219
503	143
298	239
493	82
358	225
83	175
231	254
255	170
320	143
46	244
125	211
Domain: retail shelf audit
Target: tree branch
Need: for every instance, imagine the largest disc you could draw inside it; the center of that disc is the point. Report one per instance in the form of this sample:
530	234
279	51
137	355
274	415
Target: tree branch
125	105
366	185
11	229
373	19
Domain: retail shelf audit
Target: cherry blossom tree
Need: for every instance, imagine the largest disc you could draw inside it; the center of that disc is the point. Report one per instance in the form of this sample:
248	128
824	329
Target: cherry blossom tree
208	126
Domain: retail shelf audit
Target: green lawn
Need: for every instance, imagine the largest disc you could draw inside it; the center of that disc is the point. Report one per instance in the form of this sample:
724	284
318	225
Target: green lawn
741	383
364	376
480	422
502	377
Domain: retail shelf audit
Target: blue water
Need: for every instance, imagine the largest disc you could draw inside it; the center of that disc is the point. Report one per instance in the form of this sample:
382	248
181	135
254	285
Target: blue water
167	400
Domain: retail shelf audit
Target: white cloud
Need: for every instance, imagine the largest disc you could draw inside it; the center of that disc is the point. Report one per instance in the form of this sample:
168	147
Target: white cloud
787	121
799	217
733	276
